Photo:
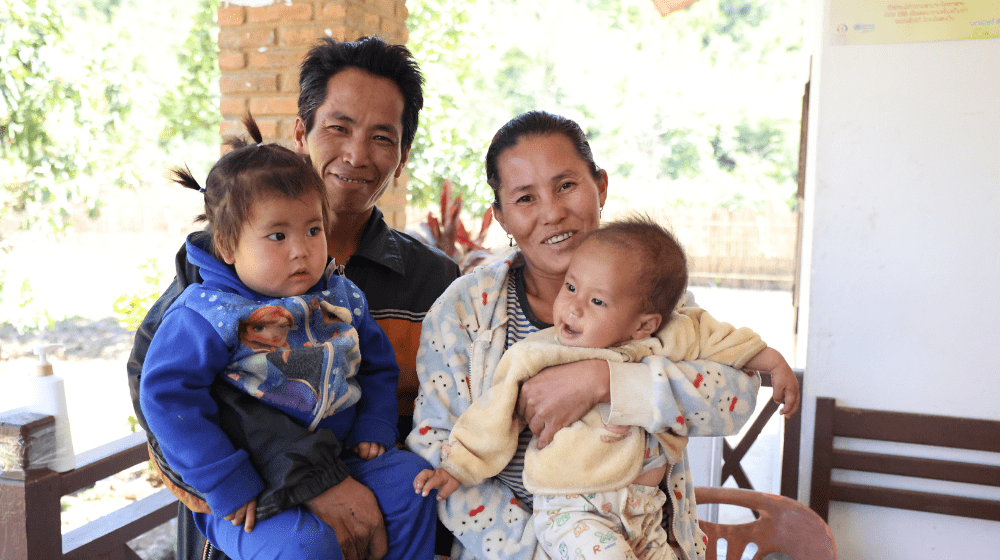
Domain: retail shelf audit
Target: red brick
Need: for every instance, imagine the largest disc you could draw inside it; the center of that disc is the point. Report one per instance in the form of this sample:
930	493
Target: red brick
268	128
241	38
233	106
281	12
384	8
402	12
231	61
338	33
284	105
288	81
275	59
231	16
264	83
300	36
230	127
333	11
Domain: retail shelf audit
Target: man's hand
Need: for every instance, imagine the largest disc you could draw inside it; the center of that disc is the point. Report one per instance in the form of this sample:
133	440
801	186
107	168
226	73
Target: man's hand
560	395
246	516
439	479
352	511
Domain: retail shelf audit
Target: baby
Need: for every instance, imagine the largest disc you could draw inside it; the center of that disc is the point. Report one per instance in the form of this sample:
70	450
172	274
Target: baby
597	486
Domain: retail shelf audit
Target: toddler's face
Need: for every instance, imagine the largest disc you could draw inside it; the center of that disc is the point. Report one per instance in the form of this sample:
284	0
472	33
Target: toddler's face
281	250
599	305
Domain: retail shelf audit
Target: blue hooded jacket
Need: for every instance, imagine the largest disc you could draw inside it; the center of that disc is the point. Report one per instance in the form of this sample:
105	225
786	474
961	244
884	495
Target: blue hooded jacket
334	370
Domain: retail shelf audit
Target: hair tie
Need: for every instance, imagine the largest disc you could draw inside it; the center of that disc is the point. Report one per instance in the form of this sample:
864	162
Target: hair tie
201	190
259	144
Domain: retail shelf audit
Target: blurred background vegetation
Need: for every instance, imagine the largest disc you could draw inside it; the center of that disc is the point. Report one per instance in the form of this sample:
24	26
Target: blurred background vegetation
699	108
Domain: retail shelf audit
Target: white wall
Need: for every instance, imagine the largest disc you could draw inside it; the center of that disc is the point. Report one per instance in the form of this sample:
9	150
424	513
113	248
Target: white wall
903	257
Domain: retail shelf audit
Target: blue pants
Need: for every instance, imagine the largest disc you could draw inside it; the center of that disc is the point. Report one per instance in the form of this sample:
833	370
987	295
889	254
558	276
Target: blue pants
297	534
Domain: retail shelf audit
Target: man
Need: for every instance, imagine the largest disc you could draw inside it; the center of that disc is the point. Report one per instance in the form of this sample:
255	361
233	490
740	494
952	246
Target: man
358	108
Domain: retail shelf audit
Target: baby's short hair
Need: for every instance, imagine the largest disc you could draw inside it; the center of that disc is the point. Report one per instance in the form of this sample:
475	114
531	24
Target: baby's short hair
663	272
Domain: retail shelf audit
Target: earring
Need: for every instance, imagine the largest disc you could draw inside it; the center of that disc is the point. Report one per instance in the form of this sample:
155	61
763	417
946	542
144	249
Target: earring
600	212
510	239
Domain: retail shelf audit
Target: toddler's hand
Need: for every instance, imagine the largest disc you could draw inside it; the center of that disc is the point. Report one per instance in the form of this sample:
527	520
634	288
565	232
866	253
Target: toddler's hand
368	450
246	516
439	479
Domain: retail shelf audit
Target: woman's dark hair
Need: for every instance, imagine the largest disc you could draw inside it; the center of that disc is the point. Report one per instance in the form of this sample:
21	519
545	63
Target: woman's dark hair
531	124
244	175
371	54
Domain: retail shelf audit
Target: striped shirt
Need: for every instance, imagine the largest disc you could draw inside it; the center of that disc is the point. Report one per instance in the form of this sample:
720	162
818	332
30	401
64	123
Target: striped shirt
520	323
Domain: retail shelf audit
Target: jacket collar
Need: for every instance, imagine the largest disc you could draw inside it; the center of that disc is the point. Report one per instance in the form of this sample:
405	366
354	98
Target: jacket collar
379	245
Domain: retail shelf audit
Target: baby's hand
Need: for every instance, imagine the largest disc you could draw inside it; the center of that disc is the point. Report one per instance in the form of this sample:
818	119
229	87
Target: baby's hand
783	380
786	390
246	516
440	479
368	450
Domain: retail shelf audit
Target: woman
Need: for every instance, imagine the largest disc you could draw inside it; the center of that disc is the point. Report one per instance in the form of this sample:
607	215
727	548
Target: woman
548	194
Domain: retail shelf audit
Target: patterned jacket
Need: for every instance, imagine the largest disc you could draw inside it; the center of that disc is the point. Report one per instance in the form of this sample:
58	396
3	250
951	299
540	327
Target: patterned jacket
462	343
319	357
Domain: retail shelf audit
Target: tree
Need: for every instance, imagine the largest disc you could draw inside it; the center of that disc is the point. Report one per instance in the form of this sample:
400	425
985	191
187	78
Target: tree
54	127
192	109
701	106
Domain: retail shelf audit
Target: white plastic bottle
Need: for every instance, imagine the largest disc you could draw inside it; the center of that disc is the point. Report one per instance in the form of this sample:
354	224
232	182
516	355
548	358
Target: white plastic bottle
48	396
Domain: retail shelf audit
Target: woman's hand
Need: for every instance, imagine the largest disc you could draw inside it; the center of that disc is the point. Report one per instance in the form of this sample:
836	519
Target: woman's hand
246	516
560	395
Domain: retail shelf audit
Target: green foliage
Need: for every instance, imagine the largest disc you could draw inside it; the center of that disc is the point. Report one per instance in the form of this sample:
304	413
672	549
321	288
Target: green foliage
131	308
699	107
449	142
192	108
60	107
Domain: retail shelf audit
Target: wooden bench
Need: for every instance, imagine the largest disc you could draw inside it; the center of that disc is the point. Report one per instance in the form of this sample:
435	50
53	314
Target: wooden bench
909	428
30	510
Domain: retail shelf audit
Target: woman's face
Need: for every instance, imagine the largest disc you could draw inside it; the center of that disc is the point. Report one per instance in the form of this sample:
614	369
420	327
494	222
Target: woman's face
548	200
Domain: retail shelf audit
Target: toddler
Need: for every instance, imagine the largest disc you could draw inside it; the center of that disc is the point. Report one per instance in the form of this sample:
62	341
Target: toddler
596	486
270	319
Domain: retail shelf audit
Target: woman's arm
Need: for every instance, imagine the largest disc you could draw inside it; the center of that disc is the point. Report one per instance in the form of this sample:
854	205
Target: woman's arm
482	516
691	398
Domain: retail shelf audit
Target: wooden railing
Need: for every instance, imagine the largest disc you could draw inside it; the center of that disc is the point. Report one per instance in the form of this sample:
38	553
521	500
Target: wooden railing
30	500
30	510
792	428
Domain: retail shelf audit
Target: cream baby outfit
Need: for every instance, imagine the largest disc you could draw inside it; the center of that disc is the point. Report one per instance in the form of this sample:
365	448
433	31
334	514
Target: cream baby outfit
587	458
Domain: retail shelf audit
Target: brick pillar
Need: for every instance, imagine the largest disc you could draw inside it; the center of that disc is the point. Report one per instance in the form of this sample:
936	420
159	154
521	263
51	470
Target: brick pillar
260	49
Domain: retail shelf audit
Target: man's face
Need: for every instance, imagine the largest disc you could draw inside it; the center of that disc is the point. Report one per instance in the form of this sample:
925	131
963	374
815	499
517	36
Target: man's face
355	142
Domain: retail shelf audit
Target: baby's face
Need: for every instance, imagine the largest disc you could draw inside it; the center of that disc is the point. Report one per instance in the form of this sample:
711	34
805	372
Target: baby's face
281	250
599	305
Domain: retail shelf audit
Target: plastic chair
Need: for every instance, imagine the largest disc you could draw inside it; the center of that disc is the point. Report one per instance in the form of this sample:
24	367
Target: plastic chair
785	528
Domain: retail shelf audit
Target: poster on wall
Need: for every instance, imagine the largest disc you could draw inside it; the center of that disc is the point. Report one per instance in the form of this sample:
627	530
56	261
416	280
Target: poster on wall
877	22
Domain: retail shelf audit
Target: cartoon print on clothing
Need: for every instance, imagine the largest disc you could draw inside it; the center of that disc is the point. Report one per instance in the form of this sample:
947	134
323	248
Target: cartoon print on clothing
298	352
514	514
